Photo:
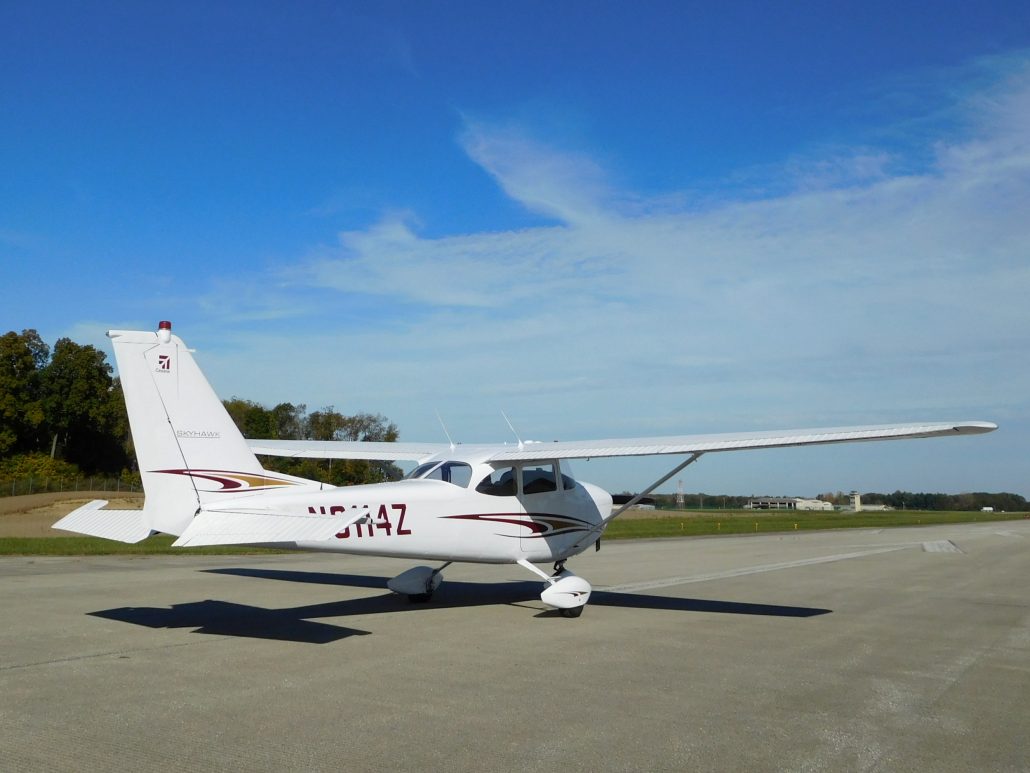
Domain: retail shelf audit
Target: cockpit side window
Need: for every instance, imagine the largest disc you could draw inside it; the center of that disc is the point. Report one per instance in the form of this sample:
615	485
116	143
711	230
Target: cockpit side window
539	479
457	473
499	483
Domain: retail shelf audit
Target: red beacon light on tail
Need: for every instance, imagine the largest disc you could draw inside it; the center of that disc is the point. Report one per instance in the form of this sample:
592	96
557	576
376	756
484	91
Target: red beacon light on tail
164	331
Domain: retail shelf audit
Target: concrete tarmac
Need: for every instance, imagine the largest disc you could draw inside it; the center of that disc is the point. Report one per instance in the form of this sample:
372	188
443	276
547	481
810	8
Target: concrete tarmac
893	650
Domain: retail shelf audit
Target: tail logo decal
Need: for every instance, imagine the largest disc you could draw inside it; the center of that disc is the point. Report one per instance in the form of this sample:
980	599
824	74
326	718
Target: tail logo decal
202	434
233	482
164	363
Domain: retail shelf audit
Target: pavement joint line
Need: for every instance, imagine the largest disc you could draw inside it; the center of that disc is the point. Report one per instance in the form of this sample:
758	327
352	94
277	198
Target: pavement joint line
685	580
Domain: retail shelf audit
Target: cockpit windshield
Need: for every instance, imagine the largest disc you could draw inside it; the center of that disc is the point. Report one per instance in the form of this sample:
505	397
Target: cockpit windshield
421	470
458	473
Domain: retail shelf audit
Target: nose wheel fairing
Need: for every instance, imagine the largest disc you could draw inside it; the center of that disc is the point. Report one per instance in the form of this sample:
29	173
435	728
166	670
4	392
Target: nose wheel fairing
563	590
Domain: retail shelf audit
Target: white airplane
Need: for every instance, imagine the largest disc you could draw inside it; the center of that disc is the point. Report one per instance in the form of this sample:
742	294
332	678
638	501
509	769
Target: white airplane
498	504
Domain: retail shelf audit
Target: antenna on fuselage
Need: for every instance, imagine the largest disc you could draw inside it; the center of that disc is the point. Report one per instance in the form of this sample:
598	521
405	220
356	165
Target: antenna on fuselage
512	428
439	418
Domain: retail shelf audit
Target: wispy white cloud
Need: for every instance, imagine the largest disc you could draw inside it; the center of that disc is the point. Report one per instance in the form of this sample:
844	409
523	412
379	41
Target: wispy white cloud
568	186
848	227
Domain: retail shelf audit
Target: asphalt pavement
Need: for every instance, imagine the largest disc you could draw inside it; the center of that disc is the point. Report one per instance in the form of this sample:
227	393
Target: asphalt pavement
892	650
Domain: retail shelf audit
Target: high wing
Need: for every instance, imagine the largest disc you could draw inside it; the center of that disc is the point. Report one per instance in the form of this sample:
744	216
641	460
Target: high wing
348	449
737	441
641	446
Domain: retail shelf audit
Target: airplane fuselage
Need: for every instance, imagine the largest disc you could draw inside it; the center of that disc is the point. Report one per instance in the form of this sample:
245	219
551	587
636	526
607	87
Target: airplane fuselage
535	513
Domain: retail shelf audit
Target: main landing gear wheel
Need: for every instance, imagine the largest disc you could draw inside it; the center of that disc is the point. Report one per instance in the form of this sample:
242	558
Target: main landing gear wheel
418	583
572	611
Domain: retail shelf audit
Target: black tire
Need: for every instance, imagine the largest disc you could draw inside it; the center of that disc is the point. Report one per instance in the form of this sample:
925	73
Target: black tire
573	611
419	598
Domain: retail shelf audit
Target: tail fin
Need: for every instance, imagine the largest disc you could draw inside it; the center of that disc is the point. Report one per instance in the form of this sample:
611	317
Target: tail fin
188	448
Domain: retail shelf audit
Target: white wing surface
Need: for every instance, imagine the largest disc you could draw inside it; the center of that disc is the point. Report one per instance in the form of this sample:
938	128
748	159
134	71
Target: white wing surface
347	449
737	441
122	525
641	446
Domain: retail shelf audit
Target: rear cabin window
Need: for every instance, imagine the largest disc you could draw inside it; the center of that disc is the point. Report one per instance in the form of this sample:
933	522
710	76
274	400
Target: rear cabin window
499	483
539	479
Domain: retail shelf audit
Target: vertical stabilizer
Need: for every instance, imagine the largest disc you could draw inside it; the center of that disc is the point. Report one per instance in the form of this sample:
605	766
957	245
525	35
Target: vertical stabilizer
188	448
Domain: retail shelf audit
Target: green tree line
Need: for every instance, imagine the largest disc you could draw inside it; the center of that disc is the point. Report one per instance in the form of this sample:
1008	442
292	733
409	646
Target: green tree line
287	421
974	500
62	413
61	404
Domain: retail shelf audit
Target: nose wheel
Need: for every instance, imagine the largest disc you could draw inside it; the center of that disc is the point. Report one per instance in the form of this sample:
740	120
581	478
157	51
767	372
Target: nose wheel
563	590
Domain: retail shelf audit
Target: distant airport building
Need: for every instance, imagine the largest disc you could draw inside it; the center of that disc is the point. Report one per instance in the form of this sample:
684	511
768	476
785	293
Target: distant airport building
857	506
786	503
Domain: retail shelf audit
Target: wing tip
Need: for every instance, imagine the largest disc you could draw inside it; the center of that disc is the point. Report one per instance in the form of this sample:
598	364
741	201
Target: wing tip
975	427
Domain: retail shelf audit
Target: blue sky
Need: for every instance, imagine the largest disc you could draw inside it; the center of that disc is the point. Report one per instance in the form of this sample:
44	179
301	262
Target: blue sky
604	219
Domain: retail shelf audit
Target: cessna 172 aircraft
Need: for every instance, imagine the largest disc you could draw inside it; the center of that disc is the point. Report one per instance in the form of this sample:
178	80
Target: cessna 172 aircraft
496	504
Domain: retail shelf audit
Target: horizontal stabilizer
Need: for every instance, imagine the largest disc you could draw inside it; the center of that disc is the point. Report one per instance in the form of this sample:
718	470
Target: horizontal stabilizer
243	528
121	525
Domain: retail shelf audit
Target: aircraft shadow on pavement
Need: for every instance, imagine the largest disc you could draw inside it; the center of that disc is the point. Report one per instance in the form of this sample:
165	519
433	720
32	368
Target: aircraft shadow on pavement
300	624
224	618
456	594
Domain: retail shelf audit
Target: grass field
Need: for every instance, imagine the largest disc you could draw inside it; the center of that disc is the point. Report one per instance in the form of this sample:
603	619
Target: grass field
669	524
689	523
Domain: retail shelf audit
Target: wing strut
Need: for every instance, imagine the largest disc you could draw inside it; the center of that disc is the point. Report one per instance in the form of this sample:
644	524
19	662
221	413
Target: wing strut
604	522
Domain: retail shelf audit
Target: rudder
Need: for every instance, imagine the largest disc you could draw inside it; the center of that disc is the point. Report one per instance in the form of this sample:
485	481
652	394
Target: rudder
188	448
